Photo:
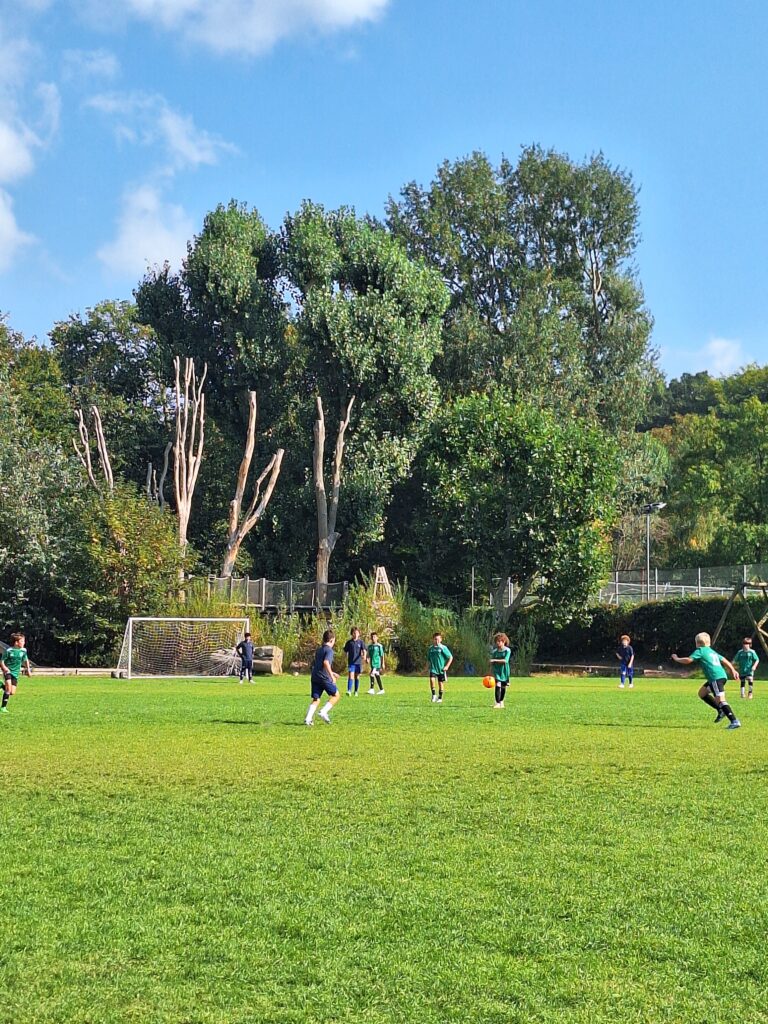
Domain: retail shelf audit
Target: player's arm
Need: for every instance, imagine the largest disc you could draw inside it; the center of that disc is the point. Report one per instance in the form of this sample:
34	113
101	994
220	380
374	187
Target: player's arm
327	666
682	661
27	666
4	668
450	660
632	659
729	666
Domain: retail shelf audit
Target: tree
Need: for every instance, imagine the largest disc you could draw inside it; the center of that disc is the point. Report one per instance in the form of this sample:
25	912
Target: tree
190	441
241	524
327	509
516	492
538	260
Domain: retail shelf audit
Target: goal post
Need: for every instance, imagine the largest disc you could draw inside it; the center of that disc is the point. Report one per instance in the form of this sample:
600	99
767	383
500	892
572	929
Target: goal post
180	648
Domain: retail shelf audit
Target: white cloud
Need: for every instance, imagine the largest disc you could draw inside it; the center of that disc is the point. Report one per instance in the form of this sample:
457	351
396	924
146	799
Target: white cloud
149	231
148	120
724	356
16	156
82	65
12	238
247	26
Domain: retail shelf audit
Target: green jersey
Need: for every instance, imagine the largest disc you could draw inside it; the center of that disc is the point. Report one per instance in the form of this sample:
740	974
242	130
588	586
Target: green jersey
376	655
710	662
438	657
500	669
745	661
14	658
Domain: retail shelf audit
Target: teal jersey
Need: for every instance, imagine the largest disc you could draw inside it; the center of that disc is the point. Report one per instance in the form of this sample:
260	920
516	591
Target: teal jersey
745	661
438	657
376	655
499	669
710	662
14	658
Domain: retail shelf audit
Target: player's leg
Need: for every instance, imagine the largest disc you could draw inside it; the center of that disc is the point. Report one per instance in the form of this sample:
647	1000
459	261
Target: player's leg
622	675
441	680
497	698
333	695
742	686
372	677
242	670
8	690
350	679
312	709
380	681
631	675
432	682
751	681
724	708
357	679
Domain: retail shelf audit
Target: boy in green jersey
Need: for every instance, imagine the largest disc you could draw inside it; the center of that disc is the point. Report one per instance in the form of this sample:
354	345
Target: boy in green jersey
376	660
746	661
12	663
500	656
439	659
712	692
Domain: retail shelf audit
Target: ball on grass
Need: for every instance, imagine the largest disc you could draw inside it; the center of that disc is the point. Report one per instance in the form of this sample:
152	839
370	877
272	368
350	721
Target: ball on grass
489	682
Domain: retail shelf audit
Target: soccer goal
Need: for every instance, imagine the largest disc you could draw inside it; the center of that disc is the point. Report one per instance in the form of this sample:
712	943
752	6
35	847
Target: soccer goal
178	647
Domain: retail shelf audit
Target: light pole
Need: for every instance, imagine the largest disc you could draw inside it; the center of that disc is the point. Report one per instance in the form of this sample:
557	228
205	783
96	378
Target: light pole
647	511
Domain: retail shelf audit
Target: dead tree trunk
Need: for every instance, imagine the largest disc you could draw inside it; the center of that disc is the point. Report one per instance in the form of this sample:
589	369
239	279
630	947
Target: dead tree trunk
241	525
84	453
327	509
190	440
156	488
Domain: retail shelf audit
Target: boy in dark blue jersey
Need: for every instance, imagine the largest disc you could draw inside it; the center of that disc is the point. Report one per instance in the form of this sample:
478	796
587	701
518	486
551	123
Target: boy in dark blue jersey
626	656
323	679
245	650
356	654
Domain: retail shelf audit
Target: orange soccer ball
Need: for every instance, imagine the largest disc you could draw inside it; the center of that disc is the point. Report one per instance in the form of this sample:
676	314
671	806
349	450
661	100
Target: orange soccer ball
489	682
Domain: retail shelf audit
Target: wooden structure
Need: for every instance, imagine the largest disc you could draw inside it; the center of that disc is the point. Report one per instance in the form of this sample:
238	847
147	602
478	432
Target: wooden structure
758	624
267	661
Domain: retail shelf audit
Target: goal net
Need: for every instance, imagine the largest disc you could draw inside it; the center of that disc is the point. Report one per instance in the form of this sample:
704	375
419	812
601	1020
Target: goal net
180	647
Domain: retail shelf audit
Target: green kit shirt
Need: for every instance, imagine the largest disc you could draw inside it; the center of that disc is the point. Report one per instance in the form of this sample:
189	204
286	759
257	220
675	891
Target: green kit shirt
710	662
375	655
438	656
745	661
499	671
14	658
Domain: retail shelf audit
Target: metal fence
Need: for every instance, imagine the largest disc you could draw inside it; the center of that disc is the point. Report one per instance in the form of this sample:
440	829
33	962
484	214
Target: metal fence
663	584
634	585
270	595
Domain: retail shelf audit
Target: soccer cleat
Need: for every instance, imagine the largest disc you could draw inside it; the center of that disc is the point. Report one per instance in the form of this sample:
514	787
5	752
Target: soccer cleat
750	695
497	705
621	686
439	700
434	700
3	711
381	693
735	724
371	691
631	686
357	693
308	721
720	717
325	716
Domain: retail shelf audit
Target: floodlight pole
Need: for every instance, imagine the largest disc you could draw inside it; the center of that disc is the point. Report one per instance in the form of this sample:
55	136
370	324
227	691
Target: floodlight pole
647	511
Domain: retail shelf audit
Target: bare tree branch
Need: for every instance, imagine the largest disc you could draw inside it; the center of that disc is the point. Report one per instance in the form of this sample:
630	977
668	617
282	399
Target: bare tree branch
190	439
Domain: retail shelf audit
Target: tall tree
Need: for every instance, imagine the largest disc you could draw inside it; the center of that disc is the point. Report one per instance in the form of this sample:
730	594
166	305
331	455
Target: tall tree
544	299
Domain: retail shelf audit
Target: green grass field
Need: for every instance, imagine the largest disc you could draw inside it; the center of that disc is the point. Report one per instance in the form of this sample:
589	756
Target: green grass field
191	852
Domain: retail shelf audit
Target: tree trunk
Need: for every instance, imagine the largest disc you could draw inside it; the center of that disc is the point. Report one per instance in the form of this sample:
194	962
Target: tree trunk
327	510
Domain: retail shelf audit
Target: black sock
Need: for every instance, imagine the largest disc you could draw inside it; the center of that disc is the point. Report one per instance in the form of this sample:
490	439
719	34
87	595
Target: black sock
440	693
432	689
6	697
497	693
709	699
503	692
725	707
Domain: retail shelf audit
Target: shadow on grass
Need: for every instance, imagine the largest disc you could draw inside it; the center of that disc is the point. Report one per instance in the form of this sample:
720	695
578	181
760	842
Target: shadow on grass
253	722
641	725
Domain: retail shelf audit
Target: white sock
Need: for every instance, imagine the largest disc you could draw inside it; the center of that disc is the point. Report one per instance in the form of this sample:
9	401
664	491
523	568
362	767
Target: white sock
311	712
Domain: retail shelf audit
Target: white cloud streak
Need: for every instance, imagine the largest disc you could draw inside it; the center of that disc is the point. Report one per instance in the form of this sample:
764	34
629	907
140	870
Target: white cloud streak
724	356
89	65
249	27
12	238
149	120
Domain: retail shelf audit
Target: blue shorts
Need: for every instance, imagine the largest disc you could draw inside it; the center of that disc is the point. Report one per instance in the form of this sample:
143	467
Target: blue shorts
321	685
355	669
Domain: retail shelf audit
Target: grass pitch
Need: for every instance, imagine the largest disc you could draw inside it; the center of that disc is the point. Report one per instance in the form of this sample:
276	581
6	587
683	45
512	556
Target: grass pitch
191	852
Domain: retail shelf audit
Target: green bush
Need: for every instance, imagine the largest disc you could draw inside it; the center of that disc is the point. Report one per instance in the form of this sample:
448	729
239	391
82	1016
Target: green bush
657	629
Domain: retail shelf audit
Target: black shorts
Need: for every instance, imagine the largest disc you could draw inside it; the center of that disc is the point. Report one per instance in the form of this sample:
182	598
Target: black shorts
9	678
747	679
321	685
716	686
439	676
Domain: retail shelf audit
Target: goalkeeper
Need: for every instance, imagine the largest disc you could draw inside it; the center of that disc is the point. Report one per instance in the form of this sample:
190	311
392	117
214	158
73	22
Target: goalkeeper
245	650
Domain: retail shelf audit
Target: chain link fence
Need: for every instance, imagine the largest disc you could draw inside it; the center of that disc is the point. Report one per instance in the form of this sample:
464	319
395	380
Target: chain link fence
663	584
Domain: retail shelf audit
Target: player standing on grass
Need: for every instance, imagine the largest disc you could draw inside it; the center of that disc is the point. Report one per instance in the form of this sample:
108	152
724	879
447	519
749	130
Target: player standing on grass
626	656
712	692
323	679
376	661
245	650
439	659
12	664
500	656
354	649
746	661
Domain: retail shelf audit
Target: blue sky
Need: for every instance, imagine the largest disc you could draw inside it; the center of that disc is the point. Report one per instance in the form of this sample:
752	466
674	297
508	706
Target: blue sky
122	122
